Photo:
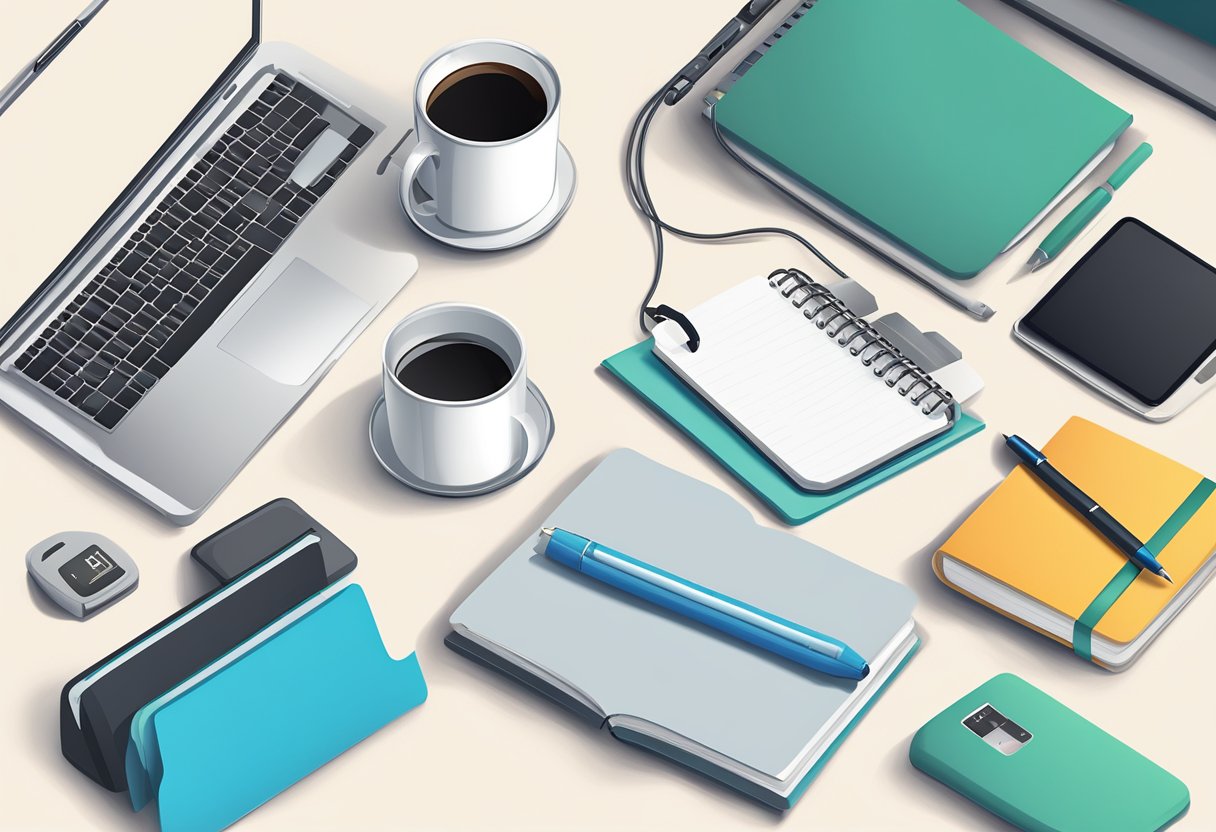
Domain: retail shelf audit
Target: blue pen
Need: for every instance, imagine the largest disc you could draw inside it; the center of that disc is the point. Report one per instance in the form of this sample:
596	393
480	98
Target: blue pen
727	615
1086	506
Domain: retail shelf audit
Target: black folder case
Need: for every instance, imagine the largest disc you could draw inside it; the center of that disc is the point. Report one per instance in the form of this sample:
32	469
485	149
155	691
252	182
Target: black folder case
97	746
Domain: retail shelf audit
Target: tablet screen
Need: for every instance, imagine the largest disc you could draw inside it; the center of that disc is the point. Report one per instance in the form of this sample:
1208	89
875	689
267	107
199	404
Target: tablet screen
1137	309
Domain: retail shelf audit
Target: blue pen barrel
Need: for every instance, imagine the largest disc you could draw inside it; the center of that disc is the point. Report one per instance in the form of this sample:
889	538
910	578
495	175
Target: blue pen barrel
573	551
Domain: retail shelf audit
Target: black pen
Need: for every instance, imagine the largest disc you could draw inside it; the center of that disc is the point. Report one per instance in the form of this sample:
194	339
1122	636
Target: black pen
1086	506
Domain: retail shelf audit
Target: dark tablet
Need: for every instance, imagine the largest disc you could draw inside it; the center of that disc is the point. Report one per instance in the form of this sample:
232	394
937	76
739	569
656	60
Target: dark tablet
1137	309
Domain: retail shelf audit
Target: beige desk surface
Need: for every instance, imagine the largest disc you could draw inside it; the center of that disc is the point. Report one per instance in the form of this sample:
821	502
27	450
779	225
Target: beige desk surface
482	753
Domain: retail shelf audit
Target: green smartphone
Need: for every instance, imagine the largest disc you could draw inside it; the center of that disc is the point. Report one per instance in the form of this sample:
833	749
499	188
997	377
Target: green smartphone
1038	765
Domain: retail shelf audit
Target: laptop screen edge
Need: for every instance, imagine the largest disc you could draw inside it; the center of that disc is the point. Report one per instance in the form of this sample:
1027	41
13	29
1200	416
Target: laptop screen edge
222	82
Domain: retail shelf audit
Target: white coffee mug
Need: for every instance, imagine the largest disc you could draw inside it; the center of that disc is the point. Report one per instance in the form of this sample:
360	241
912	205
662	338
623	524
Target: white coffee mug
456	443
483	186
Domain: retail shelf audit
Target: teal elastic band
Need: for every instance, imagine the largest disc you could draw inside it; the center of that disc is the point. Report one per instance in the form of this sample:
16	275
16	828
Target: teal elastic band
1083	630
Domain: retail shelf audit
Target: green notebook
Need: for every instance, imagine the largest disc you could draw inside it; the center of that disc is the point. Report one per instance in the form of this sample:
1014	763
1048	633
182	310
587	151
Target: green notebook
1023	756
921	119
650	379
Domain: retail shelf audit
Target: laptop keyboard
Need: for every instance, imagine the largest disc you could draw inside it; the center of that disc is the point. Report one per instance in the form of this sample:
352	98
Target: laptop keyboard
191	257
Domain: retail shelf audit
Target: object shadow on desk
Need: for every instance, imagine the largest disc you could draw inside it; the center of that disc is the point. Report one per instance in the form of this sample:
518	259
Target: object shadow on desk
334	448
106	498
698	150
42	752
45	605
1018	642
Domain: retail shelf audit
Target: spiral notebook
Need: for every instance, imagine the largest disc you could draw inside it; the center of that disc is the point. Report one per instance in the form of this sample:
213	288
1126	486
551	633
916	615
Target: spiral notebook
826	395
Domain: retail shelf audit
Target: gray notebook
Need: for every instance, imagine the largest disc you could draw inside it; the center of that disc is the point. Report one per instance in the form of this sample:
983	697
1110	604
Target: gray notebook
750	719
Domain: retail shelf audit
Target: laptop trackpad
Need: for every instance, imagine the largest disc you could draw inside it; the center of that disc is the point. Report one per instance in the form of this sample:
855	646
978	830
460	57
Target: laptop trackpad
296	323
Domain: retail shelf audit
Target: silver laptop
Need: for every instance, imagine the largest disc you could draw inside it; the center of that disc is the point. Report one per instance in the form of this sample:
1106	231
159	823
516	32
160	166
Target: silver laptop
1170	44
180	228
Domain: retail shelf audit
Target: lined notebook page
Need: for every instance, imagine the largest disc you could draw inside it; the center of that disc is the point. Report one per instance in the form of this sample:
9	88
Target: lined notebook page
810	406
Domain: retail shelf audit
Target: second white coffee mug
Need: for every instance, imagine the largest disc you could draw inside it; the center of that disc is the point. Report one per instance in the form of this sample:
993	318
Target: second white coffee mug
483	186
449	442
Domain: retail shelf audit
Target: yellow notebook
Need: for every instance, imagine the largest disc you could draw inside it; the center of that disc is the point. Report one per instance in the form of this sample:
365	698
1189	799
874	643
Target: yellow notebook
1029	556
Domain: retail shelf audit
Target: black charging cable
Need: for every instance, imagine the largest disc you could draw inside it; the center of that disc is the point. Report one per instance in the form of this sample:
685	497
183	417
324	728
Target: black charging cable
639	191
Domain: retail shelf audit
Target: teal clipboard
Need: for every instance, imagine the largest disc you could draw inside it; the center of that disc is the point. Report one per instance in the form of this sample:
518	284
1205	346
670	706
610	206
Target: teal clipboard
649	378
228	743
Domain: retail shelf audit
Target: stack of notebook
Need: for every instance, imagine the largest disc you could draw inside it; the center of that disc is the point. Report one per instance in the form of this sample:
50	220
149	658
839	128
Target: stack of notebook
1029	556
756	722
919	127
799	394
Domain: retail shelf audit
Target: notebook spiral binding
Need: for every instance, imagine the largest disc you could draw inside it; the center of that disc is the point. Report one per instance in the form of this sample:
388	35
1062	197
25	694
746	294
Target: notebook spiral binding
919	387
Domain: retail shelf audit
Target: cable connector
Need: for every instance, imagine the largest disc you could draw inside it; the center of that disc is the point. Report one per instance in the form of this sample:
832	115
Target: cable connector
663	312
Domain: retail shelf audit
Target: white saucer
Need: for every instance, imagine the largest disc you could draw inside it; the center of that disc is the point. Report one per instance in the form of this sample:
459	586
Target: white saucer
563	195
537	431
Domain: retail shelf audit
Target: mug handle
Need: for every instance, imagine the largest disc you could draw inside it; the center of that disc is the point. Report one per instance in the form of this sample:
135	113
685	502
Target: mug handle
409	171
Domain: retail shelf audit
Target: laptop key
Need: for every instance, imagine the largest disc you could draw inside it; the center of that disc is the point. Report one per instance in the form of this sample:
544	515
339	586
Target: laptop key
93	403
157	367
260	236
177	272
159	234
360	137
322	185
280	225
128	398
131	263
110	415
140	354
81	393
130	302
113	385
41	365
94	339
92	310
307	134
95	372
167	299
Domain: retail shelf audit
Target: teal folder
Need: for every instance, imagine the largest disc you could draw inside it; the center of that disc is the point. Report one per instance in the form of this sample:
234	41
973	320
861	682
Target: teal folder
939	131
223	743
649	378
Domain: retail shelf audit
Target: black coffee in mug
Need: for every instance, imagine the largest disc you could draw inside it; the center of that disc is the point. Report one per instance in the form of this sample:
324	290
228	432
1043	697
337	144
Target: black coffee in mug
487	102
454	368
